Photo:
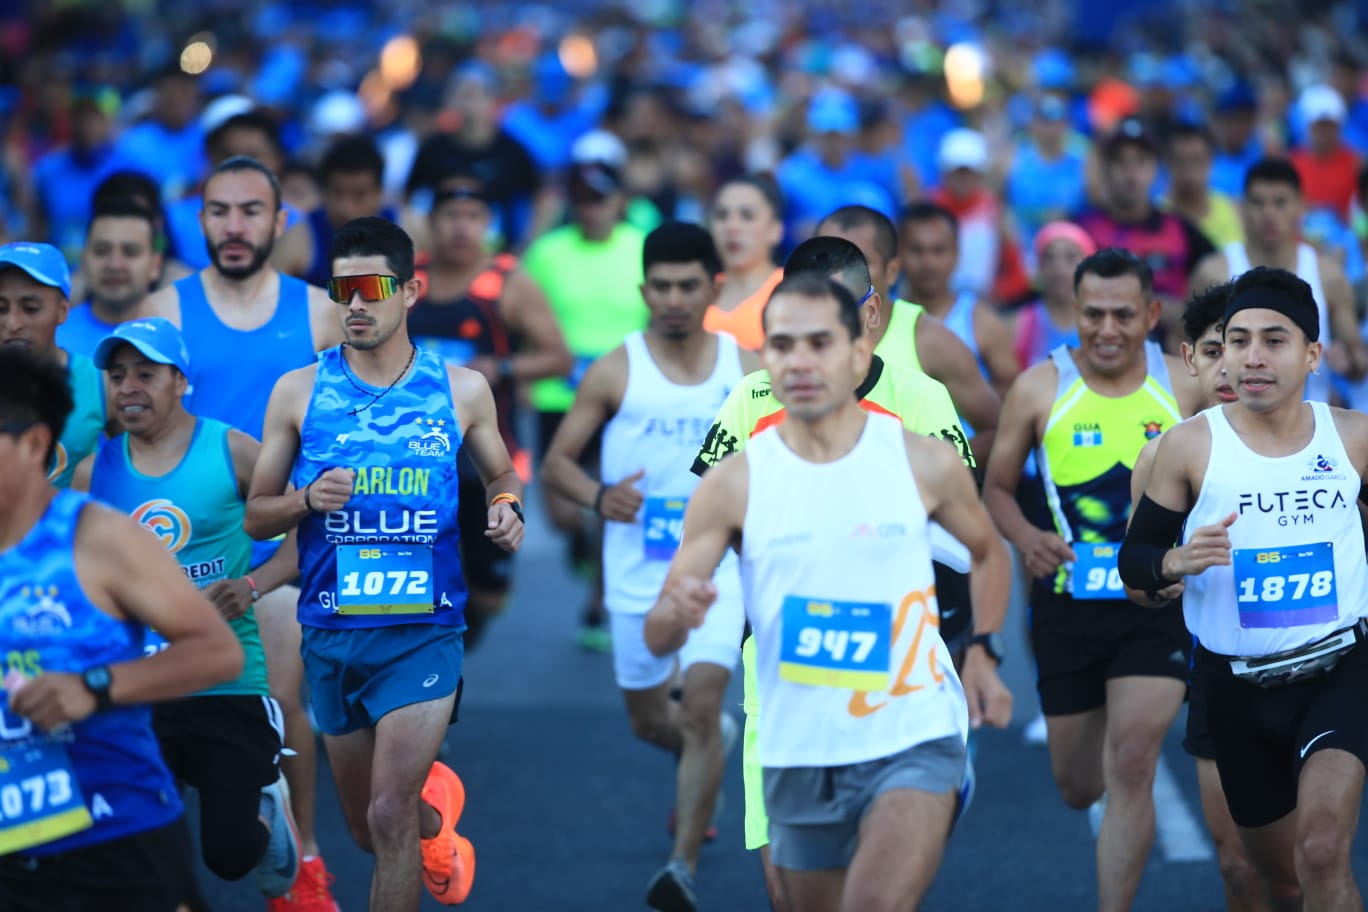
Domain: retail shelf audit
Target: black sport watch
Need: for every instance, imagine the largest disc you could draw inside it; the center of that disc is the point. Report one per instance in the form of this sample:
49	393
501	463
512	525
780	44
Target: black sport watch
992	643
97	681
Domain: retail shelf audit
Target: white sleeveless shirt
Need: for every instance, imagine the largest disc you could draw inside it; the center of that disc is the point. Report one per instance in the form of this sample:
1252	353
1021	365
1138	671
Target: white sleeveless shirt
1298	571
1308	269
659	427
836	571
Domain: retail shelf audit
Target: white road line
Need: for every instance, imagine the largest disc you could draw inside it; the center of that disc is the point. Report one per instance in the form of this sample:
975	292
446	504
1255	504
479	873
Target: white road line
1182	836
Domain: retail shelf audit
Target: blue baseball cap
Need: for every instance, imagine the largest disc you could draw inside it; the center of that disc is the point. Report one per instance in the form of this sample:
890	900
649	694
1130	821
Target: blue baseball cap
157	338
43	263
833	111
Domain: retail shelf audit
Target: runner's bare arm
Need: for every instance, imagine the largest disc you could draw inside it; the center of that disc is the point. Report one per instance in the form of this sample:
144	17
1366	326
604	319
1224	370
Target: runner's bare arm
1344	348
325	319
1144	462
712	524
596	400
525	310
950	361
80	478
128	574
947	488
1186	389
283	566
482	441
995	346
164	302
271	507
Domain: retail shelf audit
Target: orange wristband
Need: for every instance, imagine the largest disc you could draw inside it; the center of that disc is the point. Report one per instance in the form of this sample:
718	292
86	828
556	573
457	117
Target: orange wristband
505	497
251	582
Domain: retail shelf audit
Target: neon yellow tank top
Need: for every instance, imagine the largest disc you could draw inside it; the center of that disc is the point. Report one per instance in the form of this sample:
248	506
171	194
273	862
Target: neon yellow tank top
899	343
1089	448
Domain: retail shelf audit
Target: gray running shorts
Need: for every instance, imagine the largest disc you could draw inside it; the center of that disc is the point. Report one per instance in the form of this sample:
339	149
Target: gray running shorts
815	811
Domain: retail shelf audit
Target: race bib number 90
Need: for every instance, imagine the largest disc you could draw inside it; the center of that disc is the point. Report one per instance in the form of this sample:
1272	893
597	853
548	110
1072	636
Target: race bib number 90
1095	575
40	801
1286	587
384	579
836	644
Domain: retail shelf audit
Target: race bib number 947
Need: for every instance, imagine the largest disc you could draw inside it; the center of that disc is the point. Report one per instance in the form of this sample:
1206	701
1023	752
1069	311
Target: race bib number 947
836	644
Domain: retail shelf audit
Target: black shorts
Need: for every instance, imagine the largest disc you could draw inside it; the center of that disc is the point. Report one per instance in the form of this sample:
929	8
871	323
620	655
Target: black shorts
1080	645
487	567
1262	736
151	871
221	741
1197	738
956	607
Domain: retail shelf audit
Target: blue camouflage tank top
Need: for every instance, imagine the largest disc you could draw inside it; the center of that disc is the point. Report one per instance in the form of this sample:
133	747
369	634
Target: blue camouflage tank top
391	555
102	778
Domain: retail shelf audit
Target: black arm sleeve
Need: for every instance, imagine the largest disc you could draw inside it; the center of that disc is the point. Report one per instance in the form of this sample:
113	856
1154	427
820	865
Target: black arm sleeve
1153	530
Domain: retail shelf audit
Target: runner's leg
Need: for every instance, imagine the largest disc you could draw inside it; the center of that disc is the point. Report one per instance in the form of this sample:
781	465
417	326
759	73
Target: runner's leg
902	840
700	763
1139	713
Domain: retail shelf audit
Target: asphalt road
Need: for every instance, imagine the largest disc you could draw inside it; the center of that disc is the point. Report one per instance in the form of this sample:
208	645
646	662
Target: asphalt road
567	810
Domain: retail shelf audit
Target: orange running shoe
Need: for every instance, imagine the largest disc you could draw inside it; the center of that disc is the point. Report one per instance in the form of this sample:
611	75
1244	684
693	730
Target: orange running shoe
310	891
448	859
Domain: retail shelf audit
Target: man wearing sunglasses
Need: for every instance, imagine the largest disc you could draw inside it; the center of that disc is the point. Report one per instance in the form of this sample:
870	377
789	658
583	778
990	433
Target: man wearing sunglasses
35	286
245	324
369	436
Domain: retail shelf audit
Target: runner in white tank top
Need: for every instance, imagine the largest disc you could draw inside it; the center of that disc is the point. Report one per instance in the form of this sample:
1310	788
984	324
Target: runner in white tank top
654	397
1271	214
1262	493
865	721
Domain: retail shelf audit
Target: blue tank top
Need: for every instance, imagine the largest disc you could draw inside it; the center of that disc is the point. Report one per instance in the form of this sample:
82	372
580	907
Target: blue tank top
47	624
83	331
233	371
86	423
960	321
391	555
196	511
1038	191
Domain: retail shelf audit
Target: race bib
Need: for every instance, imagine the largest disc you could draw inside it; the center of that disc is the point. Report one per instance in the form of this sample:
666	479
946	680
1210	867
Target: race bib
1286	587
384	579
1094	573
40	800
836	644
662	526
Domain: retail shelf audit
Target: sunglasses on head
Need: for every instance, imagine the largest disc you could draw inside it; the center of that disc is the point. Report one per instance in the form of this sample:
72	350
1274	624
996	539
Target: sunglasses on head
372	287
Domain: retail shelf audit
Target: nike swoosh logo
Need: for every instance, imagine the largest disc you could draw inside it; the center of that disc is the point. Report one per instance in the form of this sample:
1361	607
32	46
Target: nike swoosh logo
1313	741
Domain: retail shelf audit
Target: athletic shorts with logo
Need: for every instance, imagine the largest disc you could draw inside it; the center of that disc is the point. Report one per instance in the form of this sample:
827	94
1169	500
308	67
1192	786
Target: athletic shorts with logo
1263	736
358	675
221	741
1081	644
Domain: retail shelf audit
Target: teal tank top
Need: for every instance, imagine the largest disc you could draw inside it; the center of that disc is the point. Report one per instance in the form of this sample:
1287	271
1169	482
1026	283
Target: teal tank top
196	511
86	423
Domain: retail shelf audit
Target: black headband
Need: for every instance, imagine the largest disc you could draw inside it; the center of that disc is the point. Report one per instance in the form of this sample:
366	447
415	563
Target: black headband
459	193
1265	298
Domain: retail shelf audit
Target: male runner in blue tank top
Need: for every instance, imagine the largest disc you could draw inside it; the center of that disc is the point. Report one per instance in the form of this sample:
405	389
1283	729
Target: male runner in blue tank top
245	324
101	825
119	263
481	311
185	479
369	436
35	285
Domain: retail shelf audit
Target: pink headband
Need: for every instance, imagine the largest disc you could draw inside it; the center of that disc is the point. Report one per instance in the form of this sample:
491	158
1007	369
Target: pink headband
1064	231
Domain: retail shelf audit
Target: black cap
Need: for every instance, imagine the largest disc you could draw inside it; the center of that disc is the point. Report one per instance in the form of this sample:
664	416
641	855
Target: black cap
1131	130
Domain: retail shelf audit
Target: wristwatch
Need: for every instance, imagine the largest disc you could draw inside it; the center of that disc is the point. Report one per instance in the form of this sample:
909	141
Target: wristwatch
97	681
992	643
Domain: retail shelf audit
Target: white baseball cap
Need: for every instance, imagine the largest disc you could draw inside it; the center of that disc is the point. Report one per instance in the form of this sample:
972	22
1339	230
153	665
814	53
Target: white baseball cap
963	148
1321	102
